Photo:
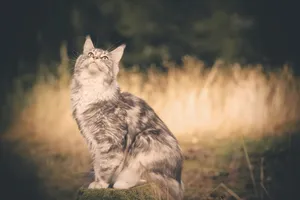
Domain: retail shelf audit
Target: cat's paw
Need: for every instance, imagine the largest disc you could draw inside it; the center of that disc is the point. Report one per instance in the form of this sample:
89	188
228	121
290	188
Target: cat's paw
98	185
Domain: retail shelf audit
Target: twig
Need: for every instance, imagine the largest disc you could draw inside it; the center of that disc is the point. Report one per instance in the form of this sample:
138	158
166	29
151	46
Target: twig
249	166
231	192
262	178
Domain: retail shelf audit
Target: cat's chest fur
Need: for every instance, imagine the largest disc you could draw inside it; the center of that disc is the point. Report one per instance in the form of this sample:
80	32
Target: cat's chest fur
105	115
99	117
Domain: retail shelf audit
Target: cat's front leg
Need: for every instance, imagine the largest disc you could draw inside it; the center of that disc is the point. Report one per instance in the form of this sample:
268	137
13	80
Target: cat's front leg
106	161
100	172
99	182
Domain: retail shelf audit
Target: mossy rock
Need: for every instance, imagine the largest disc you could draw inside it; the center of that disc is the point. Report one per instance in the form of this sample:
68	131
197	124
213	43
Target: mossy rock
143	192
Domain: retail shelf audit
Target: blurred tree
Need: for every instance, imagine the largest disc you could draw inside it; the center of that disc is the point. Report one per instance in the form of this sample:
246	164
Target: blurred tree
157	29
152	30
223	35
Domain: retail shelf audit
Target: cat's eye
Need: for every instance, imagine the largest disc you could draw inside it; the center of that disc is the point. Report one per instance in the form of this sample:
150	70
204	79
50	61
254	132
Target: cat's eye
90	54
104	58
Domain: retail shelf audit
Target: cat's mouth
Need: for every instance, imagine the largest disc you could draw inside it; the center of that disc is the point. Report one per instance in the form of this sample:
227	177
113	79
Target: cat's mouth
94	68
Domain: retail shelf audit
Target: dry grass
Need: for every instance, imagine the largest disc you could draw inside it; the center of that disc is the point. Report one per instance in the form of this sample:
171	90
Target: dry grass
193	100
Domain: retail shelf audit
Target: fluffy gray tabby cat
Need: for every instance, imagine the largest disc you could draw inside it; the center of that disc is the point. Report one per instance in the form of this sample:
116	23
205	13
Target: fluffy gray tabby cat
128	142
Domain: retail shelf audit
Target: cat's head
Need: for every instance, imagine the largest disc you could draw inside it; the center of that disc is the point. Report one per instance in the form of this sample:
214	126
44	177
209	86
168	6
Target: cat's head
96	65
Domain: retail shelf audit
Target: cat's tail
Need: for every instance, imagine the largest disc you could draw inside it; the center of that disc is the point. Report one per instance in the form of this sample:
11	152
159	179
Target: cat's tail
168	188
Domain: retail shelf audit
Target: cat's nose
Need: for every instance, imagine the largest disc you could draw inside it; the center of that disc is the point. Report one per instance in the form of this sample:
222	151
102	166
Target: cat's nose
94	57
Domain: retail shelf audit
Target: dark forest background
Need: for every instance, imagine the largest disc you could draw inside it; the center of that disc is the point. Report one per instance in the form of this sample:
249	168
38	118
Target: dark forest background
265	32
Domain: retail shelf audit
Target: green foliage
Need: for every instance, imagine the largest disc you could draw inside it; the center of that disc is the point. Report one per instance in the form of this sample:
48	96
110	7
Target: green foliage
157	30
144	192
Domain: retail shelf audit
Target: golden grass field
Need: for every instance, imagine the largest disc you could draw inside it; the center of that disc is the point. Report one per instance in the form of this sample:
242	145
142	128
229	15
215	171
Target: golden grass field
195	101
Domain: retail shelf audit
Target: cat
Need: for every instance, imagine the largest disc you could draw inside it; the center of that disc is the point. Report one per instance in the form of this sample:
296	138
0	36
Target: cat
128	142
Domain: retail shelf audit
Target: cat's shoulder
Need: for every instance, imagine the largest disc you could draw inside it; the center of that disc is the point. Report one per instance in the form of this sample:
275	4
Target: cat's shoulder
130	98
134	101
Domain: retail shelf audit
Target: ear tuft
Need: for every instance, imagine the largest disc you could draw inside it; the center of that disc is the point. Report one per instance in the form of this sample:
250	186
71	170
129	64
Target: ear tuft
88	44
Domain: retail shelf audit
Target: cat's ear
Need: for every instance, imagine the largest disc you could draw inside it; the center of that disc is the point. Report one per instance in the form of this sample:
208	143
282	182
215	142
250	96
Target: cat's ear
117	53
88	44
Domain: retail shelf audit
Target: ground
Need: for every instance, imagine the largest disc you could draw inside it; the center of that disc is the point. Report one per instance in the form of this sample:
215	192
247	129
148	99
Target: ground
237	169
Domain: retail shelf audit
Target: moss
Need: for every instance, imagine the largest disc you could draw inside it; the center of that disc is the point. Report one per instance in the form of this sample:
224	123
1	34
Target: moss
144	192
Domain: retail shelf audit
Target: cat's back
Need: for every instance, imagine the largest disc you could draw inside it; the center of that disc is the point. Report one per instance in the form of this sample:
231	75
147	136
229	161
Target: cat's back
143	117
138	108
154	145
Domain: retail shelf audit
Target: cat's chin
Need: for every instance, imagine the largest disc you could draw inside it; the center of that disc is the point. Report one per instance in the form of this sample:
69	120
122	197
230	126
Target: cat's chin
93	69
